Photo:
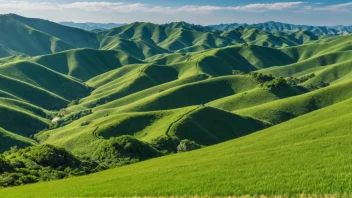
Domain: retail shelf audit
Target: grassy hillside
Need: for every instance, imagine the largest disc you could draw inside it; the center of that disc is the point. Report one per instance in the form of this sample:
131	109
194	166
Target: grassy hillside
32	94
253	98
282	110
150	108
110	98
18	119
237	167
56	83
85	63
186	95
73	36
183	37
17	37
9	139
35	37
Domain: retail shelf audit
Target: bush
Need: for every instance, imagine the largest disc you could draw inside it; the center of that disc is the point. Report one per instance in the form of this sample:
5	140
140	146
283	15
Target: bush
166	144
41	163
48	155
318	85
124	150
4	165
295	81
187	145
262	78
9	180
268	81
275	83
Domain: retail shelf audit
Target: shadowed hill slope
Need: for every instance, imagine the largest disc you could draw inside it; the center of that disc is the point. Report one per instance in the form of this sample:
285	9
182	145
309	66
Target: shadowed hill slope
7	140
74	36
85	63
282	110
20	38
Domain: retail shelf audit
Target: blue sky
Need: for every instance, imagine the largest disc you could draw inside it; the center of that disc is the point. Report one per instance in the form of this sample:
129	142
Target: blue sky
312	12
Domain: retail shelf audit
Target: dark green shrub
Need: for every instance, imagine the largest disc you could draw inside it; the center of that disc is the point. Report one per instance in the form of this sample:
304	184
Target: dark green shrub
275	83
187	145
27	179
296	81
48	155
4	165
262	78
42	163
166	144
9	180
124	150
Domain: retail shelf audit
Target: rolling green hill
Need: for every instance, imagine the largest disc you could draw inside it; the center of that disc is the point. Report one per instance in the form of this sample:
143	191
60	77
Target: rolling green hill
140	91
17	37
9	139
310	156
85	63
35	37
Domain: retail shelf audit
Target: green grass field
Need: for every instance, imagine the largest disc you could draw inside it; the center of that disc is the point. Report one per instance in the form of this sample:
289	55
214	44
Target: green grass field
305	155
256	112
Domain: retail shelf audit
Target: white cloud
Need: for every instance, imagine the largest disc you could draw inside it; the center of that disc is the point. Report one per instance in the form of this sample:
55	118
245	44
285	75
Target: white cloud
258	7
344	7
337	7
26	5
140	7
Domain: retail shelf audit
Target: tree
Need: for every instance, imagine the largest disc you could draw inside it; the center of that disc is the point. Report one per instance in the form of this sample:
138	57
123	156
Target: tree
187	145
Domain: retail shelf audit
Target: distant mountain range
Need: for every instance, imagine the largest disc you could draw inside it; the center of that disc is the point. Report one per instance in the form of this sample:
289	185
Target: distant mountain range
92	26
141	40
269	26
272	26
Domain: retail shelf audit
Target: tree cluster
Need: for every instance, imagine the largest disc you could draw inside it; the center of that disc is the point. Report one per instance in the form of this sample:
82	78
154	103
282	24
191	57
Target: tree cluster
41	163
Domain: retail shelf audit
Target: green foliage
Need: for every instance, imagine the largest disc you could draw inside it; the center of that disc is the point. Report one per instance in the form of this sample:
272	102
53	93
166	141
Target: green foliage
123	150
275	83
47	155
262	78
41	163
296	81
318	85
268	81
187	145
4	165
166	144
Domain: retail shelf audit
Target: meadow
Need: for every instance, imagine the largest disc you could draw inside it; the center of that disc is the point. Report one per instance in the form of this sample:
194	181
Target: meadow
173	110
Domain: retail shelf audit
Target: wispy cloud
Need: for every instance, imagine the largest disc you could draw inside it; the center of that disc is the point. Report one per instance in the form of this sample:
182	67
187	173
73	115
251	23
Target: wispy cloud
344	7
140	7
337	7
258	7
26	5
